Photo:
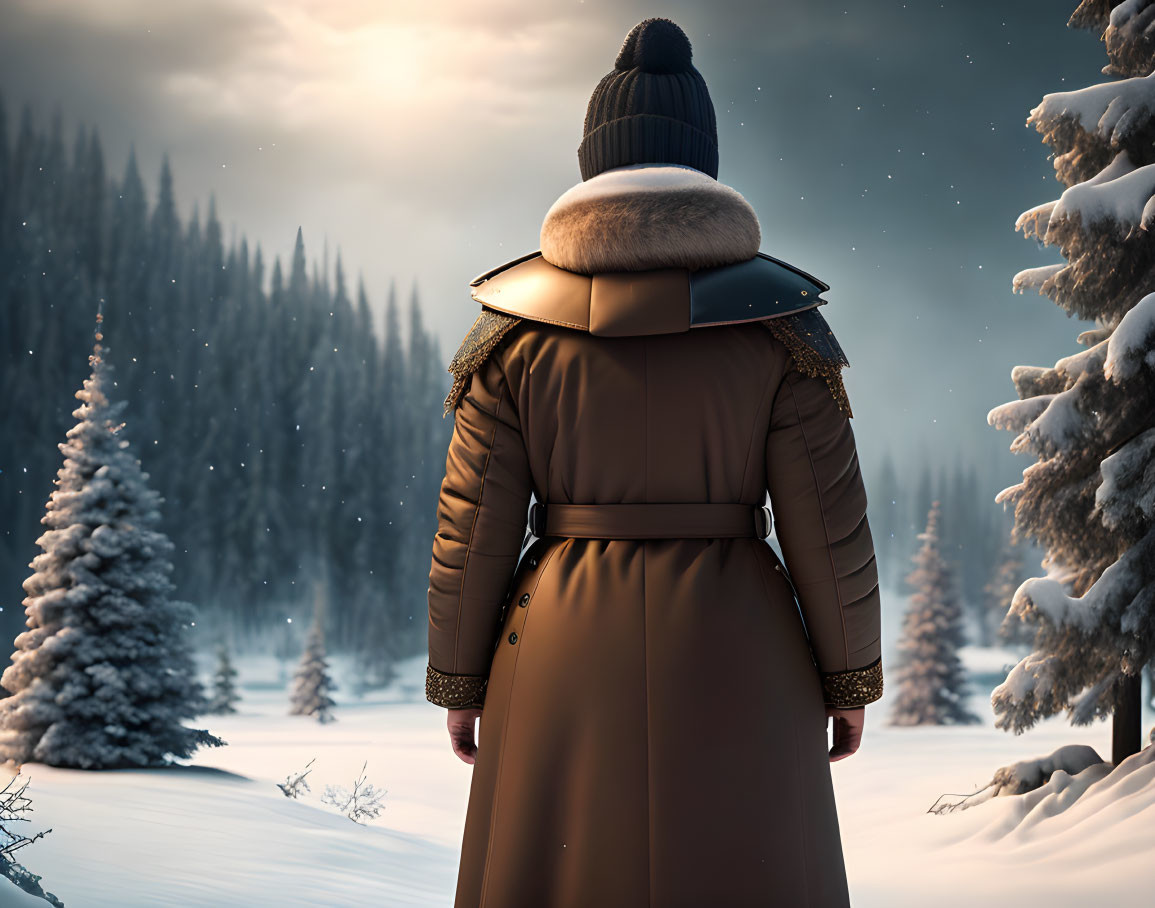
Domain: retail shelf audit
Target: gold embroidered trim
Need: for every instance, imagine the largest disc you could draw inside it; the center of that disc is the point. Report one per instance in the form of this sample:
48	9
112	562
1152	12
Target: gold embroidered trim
802	340
454	691
489	328
855	687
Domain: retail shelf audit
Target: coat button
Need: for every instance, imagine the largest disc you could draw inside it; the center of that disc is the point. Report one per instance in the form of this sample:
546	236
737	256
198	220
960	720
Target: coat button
513	637
533	562
524	600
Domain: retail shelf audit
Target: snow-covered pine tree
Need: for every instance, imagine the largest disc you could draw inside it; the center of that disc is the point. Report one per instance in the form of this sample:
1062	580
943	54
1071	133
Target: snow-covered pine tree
1089	420
929	677
224	697
104	675
312	685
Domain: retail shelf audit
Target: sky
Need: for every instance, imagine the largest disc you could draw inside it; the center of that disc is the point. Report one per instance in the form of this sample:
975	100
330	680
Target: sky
882	144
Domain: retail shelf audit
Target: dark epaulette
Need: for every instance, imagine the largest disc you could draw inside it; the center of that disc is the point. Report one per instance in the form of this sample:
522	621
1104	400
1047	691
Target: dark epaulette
777	295
815	349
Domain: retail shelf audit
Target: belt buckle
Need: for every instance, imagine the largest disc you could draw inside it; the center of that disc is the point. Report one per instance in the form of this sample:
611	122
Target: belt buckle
762	522
537	519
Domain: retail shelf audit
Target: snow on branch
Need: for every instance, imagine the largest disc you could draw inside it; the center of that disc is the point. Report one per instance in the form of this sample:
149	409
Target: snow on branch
1034	221
1100	226
1087	363
1035	278
1031	381
1052	422
1126	497
1132	345
1130	38
1092	336
1121	585
1122	197
1050	598
1089	199
1111	111
1016	415
1060	421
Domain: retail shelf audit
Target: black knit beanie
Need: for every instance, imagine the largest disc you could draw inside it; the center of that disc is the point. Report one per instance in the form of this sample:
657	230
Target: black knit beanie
652	109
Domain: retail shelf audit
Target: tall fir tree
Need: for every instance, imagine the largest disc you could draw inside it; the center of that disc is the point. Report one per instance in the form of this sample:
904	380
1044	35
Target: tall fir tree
1089	420
104	675
929	676
224	698
312	685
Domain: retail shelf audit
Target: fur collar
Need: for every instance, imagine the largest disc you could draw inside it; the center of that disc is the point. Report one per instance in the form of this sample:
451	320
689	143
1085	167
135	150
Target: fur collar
644	216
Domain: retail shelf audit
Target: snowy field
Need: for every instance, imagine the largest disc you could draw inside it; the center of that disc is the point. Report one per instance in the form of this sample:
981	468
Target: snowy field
221	834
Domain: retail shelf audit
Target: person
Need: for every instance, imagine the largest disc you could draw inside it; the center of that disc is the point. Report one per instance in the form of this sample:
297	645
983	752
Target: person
653	684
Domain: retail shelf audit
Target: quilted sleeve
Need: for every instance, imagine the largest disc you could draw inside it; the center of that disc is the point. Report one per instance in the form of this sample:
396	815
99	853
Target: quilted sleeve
481	514
819	505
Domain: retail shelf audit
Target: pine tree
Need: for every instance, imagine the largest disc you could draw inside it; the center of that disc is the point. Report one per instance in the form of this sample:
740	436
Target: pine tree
312	684
1089	420
225	697
104	674
929	675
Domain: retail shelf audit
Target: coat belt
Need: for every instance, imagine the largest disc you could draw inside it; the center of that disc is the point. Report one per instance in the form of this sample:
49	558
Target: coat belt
649	520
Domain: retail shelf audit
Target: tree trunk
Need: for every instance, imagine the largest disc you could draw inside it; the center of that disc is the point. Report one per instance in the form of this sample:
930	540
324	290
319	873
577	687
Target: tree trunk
1125	727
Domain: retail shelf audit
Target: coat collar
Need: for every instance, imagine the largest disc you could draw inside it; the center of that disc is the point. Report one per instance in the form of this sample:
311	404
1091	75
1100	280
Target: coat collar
647	216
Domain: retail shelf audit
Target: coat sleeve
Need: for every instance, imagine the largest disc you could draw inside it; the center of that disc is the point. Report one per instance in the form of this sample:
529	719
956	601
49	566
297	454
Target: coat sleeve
481	516
819	505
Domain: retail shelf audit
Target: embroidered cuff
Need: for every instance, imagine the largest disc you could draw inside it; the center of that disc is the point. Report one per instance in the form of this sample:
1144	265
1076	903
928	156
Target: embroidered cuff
855	687
454	691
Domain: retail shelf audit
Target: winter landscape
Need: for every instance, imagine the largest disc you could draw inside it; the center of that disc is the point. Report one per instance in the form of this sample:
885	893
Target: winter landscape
222	833
218	474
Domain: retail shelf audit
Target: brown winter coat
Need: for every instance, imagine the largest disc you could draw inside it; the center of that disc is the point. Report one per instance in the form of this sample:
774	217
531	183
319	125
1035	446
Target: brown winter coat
653	730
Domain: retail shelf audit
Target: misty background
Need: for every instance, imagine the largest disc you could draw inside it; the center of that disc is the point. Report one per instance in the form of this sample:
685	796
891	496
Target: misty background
882	144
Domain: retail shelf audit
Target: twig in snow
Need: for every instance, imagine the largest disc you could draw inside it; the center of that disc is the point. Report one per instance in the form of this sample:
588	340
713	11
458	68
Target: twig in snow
294	785
13	804
363	801
948	806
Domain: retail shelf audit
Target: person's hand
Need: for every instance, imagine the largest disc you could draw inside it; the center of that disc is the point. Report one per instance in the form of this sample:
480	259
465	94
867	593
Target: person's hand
461	723
847	731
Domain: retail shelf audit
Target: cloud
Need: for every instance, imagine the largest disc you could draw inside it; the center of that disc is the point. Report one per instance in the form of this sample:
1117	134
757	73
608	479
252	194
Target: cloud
426	140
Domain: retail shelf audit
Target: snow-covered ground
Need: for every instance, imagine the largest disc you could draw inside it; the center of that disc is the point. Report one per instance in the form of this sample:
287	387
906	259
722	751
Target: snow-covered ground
221	834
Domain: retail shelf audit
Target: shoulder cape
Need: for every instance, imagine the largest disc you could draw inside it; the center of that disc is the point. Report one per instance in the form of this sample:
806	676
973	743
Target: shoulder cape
782	298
